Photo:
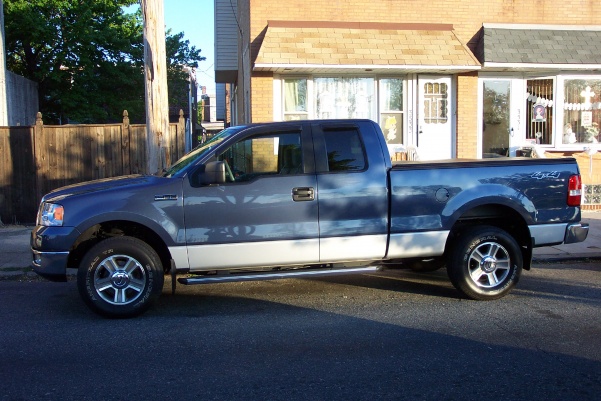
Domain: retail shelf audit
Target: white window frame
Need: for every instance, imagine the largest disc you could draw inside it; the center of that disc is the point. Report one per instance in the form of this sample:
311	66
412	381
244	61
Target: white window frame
282	102
404	112
278	90
559	117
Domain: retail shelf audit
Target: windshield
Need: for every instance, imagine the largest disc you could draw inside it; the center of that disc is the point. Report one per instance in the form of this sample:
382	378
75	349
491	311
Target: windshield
198	152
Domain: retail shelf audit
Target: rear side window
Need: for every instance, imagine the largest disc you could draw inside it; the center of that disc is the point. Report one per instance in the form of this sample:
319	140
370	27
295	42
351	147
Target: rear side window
345	150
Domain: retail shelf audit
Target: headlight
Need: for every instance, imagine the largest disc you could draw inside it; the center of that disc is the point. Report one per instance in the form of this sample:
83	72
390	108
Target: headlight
51	214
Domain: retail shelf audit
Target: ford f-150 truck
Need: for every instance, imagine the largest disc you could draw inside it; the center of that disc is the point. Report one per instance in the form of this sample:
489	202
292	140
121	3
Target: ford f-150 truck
304	198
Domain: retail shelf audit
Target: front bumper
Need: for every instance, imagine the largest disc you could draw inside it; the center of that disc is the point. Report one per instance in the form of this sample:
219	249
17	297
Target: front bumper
50	265
576	232
50	251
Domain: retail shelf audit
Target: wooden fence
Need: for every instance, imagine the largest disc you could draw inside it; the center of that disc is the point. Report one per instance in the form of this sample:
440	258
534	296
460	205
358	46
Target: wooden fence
37	159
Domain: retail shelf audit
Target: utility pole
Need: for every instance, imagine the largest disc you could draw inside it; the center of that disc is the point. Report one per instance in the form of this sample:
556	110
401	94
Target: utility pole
3	94
155	89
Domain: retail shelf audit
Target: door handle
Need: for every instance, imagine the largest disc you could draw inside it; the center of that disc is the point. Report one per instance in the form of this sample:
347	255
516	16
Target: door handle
303	194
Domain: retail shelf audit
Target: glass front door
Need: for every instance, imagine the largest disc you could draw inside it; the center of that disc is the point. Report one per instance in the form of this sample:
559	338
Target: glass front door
496	123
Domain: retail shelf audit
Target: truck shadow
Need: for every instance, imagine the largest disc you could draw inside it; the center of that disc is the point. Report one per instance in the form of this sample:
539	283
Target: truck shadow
282	340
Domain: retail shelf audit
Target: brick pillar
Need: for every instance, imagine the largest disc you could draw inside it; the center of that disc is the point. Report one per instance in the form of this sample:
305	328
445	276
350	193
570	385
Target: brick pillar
467	115
262	96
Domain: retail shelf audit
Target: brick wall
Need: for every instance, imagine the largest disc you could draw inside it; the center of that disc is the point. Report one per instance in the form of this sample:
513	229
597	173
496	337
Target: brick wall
467	115
467	17
262	97
590	166
264	158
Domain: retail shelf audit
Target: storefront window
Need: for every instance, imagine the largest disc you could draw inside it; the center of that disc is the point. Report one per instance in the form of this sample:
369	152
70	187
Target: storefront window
539	110
344	97
295	99
347	97
582	111
391	110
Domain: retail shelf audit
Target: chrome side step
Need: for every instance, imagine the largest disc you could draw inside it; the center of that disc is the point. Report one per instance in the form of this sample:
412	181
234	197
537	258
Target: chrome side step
255	276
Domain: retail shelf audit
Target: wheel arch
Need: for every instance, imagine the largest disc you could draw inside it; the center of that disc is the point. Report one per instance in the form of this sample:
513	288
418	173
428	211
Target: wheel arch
116	228
498	215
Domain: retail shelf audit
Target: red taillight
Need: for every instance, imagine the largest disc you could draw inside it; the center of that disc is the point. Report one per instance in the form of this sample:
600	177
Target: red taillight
574	191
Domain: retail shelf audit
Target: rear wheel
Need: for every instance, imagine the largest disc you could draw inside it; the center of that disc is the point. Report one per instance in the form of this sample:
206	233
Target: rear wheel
485	263
120	277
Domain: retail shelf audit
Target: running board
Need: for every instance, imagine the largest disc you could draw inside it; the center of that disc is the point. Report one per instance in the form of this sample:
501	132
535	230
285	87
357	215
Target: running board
255	276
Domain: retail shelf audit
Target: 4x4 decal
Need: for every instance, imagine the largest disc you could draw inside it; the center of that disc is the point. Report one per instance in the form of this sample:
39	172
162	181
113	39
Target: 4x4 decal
541	175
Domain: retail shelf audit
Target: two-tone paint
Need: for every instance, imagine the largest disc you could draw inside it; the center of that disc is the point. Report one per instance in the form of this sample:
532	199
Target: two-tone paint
315	217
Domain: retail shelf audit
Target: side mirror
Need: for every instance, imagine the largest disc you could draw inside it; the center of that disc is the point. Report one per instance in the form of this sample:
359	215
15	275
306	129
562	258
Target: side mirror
214	173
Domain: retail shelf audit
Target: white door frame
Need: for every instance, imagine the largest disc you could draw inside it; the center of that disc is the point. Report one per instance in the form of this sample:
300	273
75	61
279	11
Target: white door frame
452	113
517	112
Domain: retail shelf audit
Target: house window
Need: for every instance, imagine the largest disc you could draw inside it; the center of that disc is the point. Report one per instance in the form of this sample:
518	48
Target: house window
347	97
581	111
436	103
344	97
539	110
295	99
391	110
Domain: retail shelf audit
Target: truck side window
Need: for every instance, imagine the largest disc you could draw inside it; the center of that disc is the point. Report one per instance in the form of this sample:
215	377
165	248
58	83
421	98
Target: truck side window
262	155
345	150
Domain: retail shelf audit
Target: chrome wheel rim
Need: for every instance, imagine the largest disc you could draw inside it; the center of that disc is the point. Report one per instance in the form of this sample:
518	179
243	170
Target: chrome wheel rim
119	279
489	265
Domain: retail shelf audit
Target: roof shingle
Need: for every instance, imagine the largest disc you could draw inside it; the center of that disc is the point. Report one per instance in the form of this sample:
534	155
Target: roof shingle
540	45
367	46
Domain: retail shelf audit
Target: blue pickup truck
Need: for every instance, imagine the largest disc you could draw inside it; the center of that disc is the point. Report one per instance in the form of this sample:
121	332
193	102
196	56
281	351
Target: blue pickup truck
304	198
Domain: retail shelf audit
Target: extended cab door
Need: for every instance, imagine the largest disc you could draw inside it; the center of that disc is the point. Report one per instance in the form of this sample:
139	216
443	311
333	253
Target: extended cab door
352	188
266	214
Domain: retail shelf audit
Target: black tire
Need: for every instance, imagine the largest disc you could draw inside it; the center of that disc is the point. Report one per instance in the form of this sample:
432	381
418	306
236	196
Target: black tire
120	277
425	265
485	264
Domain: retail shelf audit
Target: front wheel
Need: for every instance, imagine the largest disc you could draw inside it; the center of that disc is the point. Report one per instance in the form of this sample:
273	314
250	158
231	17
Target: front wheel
486	263
120	277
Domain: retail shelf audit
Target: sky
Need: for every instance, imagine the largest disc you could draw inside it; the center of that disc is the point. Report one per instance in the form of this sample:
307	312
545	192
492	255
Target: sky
195	18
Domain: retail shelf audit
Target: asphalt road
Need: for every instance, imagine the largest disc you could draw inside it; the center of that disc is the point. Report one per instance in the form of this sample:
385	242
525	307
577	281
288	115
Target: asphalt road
394	335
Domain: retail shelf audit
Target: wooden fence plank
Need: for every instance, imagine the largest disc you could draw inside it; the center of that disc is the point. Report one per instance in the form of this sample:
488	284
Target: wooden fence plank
35	160
17	174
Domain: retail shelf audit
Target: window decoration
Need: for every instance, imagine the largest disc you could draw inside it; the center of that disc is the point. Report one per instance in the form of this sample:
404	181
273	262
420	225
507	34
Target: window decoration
344	97
582	111
539	106
391	110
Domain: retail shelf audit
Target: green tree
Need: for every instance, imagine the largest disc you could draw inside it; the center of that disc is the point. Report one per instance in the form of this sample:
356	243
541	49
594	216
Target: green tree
180	57
87	57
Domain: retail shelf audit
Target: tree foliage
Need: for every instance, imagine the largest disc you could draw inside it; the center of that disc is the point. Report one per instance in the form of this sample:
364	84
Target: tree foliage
87	57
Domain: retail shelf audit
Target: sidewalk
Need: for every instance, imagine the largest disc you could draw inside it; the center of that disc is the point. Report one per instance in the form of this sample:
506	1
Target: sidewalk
15	255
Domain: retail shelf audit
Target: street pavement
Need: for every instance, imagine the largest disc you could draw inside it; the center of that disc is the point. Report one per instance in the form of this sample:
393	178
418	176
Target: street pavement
15	254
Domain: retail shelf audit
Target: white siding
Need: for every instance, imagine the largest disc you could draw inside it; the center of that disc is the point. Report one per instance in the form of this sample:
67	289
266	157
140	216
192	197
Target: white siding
220	102
226	40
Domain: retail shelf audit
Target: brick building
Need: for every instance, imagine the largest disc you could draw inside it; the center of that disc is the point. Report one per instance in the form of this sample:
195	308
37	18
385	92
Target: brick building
452	77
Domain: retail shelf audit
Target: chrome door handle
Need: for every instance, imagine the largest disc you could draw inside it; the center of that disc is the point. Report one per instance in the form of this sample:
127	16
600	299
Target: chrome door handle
303	194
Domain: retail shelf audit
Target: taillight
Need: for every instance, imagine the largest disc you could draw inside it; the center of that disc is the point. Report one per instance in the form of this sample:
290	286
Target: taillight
574	191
